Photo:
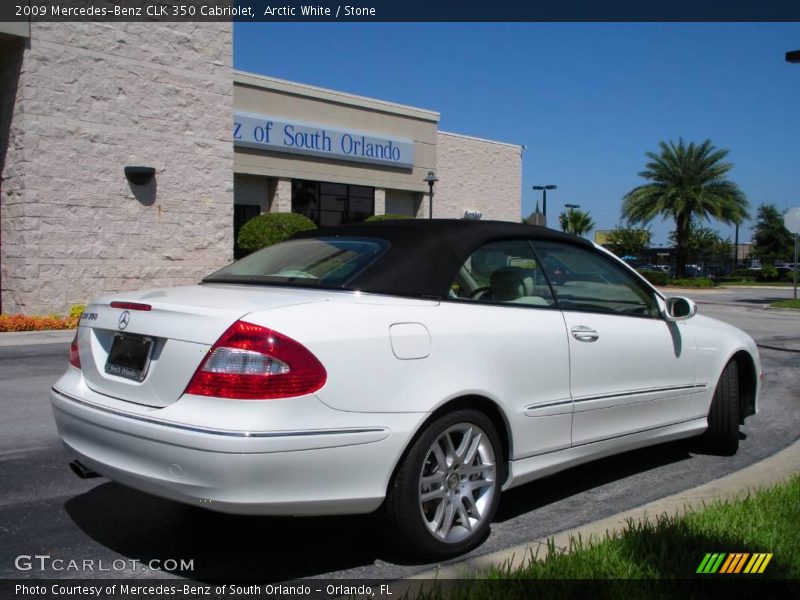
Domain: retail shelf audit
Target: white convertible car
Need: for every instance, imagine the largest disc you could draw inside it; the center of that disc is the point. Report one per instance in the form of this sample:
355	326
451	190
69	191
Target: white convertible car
418	367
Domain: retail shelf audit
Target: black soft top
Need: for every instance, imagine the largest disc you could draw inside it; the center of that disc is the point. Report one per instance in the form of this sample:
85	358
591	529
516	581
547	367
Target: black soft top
425	254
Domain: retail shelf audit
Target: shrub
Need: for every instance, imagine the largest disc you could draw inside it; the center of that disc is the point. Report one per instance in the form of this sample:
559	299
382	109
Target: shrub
271	228
389	217
767	273
20	322
695	282
744	273
77	310
655	277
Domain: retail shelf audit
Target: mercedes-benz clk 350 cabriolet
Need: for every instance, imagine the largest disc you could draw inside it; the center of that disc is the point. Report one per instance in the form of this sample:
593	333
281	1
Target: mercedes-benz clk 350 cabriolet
418	367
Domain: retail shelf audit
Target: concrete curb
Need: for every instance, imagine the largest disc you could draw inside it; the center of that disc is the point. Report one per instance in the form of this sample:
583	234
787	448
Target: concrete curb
31	338
778	468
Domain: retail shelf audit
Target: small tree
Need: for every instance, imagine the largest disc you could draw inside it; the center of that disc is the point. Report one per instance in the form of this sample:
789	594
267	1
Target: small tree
703	244
771	239
270	228
576	222
626	240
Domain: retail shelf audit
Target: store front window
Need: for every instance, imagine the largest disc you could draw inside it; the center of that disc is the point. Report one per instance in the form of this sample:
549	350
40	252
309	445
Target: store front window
332	203
242	213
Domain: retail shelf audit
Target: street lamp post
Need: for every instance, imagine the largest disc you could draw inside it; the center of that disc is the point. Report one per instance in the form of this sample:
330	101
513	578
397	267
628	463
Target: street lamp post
794	57
544	189
431	179
570	208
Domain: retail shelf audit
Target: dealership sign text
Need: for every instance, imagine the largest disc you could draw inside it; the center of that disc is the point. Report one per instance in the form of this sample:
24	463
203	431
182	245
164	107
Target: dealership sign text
279	135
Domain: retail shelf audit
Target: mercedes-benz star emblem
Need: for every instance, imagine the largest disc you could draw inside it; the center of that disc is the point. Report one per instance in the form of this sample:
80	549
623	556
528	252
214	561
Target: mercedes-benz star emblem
124	319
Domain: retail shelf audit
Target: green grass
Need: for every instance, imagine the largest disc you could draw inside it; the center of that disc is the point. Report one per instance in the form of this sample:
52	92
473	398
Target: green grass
670	548
786	304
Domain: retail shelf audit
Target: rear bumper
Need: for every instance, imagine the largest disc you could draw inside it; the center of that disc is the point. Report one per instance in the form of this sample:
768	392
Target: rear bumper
321	468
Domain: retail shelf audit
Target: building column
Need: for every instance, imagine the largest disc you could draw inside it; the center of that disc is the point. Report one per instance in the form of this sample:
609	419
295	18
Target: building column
281	200
380	201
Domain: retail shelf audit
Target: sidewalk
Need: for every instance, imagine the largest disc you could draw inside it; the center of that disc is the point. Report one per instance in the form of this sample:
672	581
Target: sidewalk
31	338
770	471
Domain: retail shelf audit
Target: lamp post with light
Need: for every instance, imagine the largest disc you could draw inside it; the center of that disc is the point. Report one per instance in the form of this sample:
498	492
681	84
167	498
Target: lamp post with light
544	189
431	179
793	224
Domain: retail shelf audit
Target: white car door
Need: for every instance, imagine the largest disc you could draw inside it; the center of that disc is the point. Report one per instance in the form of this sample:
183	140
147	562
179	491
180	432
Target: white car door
630	370
517	342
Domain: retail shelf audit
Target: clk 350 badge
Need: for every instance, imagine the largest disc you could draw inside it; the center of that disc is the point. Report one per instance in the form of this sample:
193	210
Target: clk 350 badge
89	316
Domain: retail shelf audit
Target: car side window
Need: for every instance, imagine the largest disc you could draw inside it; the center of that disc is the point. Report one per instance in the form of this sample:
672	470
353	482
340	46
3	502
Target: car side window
504	272
584	279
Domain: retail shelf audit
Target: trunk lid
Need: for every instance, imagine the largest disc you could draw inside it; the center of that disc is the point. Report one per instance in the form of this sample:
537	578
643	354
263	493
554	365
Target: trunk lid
169	340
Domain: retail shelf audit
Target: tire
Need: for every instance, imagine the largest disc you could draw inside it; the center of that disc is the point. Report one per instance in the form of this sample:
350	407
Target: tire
722	435
445	492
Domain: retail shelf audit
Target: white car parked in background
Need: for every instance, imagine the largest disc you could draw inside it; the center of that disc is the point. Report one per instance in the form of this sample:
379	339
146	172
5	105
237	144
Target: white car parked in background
419	367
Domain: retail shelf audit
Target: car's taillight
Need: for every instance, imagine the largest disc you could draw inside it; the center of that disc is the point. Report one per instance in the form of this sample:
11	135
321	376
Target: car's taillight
74	355
250	362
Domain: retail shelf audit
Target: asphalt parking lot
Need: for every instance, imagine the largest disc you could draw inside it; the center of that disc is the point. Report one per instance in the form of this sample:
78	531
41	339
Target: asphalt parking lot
46	510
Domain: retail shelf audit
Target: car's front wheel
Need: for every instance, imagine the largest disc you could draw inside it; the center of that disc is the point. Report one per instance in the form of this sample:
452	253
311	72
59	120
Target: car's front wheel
446	490
722	435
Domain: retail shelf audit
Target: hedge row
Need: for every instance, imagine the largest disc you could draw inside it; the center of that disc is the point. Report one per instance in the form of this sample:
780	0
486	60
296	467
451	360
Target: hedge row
36	323
655	277
20	322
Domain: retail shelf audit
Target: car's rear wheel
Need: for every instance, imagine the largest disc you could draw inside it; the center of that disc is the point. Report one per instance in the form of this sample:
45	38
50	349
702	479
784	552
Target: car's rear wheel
445	492
722	435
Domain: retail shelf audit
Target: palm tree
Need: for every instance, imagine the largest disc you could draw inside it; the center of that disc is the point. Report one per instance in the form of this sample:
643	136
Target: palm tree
576	221
686	183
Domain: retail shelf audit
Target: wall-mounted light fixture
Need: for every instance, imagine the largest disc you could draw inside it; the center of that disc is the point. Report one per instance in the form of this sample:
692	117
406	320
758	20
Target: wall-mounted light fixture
138	175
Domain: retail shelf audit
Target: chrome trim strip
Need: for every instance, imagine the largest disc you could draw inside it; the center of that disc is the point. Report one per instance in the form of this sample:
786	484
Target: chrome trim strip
674	388
221	432
548	404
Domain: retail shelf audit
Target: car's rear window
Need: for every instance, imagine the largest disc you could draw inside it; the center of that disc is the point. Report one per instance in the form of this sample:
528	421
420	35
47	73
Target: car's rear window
314	262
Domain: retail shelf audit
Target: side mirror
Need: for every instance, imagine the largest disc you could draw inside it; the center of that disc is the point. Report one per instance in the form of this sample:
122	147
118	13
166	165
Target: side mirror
679	308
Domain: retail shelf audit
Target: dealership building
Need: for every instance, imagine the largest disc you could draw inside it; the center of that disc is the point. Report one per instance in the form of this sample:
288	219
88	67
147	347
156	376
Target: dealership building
81	102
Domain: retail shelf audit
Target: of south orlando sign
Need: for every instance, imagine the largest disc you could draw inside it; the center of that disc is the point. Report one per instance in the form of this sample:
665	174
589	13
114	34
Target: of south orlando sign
262	132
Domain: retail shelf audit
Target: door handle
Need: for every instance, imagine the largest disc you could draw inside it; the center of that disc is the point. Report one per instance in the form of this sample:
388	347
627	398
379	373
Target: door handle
584	334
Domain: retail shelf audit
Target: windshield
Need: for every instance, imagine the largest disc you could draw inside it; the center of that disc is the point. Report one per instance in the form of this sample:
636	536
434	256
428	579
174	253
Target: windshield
318	262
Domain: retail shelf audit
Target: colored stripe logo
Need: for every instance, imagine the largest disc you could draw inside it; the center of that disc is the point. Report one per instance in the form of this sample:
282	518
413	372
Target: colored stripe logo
734	563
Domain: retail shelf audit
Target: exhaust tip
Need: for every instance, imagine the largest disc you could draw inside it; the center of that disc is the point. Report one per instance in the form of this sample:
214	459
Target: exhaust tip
82	470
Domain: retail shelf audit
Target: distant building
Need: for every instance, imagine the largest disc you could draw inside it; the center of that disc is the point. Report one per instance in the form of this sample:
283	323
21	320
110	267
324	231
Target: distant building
537	217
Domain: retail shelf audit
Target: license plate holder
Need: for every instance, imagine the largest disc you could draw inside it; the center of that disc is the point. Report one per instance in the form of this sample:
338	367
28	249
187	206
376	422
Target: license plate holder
129	356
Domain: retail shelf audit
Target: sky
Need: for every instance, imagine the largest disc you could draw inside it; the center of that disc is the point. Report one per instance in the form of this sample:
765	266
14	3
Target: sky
586	100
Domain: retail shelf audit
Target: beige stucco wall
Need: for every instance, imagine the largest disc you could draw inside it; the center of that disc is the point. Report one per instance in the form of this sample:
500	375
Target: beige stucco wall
91	99
402	203
319	106
477	175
